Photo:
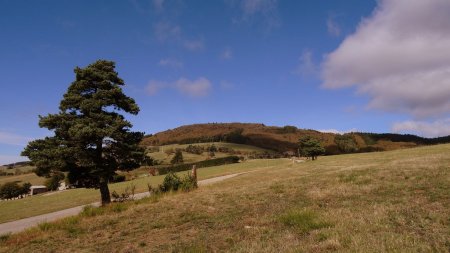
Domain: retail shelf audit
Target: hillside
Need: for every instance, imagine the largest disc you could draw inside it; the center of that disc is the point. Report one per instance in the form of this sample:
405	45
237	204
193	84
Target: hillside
283	139
394	201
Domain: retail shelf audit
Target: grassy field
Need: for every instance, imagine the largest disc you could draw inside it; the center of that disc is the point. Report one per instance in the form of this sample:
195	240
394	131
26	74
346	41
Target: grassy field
46	203
161	156
396	201
29	177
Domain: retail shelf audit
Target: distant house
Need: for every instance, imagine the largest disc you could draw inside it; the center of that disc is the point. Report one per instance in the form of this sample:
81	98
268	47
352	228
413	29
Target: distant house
36	189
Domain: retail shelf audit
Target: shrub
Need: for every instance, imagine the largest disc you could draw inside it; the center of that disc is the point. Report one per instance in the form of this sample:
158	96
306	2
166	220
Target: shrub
128	194
188	183
10	190
195	149
13	190
52	183
171	183
178	158
118	178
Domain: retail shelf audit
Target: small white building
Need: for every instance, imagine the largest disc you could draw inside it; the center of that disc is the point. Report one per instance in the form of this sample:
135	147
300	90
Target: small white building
36	189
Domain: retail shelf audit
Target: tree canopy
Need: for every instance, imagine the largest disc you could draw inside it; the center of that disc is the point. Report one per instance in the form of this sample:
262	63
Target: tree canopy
92	140
310	147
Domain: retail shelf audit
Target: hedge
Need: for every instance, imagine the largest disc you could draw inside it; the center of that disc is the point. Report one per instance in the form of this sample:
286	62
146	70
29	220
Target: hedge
201	164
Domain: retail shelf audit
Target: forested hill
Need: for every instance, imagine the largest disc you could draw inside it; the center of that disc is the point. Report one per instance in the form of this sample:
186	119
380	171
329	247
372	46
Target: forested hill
283	139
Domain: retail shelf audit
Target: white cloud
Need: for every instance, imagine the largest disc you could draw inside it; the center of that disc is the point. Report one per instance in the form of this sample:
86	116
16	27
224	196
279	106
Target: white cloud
226	54
333	28
165	31
8	159
265	11
427	129
158	4
400	57
335	131
154	86
193	45
168	62
13	139
195	88
199	87
306	66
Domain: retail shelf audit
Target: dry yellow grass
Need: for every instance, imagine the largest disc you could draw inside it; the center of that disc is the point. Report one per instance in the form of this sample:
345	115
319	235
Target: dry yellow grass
396	201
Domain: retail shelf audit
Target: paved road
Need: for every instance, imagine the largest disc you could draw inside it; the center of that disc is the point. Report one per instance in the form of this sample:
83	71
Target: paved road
19	225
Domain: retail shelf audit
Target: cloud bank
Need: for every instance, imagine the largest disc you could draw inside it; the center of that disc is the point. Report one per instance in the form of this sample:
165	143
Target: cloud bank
423	128
399	57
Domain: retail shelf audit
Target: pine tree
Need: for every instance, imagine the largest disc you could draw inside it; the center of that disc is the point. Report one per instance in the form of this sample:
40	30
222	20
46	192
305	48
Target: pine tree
178	157
91	139
310	147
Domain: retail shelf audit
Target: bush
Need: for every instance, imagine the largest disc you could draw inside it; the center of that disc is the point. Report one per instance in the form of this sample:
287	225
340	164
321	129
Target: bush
10	190
118	178
178	158
171	183
195	149
188	183
52	183
13	190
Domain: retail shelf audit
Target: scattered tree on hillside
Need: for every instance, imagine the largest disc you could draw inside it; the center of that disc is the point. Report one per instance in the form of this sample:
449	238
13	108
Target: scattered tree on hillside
91	138
345	143
178	158
212	148
310	147
236	136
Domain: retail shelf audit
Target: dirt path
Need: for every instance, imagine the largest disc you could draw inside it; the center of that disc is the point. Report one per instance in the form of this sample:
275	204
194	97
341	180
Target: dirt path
19	225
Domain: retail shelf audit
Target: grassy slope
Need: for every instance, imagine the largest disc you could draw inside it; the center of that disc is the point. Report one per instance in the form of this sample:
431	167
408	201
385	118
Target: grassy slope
40	204
161	156
395	201
29	177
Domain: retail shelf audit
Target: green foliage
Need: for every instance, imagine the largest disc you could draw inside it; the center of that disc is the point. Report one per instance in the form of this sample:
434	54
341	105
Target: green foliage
52	183
236	136
188	183
177	158
171	183
13	190
310	147
303	221
195	149
201	164
118	178
288	129
92	139
212	148
346	143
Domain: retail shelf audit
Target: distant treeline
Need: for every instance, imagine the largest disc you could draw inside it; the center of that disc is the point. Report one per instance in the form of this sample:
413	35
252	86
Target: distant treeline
12	165
406	138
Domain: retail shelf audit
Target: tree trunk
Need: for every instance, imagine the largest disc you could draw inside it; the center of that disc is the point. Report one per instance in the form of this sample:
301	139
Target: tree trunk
104	191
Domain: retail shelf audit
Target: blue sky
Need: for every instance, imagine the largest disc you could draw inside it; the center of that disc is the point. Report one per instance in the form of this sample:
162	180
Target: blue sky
302	63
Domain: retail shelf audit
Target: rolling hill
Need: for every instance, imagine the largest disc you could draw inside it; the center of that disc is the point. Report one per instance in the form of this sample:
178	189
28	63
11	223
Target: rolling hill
284	139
